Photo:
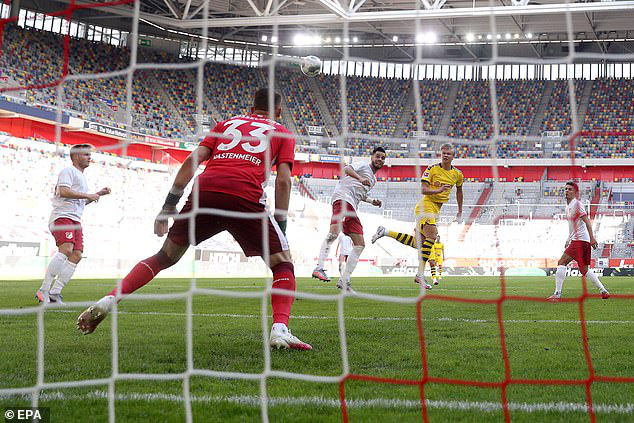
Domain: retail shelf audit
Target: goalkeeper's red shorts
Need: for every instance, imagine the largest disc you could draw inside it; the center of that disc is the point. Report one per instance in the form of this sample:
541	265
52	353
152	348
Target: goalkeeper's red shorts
248	232
67	230
350	223
580	251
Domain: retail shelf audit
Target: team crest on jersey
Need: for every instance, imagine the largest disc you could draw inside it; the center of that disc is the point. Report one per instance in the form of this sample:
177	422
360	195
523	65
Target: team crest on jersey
69	235
426	174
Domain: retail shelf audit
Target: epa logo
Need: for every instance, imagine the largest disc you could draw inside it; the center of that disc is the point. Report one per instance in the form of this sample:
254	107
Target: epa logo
15	414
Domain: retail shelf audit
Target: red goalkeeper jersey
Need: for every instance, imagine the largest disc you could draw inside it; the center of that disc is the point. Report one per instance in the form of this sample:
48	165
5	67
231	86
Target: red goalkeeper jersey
237	165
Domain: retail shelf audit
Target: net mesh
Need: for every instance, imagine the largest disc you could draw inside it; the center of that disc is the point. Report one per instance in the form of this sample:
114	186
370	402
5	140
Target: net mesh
347	135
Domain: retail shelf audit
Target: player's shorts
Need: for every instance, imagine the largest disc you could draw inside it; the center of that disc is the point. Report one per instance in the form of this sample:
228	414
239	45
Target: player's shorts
67	230
429	213
350	223
248	232
580	251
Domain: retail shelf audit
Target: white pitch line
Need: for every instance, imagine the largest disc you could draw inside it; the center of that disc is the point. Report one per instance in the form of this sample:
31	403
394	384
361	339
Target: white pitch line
300	317
255	401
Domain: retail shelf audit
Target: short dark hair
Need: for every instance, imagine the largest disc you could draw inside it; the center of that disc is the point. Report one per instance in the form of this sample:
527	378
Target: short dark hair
573	185
81	148
381	149
261	99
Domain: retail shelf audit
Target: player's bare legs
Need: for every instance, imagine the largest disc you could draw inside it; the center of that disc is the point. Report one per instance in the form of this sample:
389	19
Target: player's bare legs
358	244
59	271
333	233
428	238
560	276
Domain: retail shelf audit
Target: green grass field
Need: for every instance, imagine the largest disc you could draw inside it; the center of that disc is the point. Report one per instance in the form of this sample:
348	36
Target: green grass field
462	342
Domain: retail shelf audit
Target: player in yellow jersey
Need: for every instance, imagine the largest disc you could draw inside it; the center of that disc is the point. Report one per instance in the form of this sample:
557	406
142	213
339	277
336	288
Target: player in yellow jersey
435	260
437	182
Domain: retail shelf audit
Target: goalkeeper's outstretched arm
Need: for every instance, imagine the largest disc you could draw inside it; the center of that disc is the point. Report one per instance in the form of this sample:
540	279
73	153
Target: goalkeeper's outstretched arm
282	194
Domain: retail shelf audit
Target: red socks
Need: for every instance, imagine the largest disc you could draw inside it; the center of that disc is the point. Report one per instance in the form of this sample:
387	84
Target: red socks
145	271
283	278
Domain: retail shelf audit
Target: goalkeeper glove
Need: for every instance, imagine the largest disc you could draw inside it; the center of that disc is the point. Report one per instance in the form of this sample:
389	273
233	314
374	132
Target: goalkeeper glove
282	225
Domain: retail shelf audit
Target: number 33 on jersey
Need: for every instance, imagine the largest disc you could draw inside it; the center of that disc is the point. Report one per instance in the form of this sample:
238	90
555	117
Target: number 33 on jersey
238	156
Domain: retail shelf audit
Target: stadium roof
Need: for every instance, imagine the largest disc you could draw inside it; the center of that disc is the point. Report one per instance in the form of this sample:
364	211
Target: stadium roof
459	29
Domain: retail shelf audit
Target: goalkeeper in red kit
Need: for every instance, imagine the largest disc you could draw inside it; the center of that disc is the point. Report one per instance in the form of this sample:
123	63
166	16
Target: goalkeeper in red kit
236	155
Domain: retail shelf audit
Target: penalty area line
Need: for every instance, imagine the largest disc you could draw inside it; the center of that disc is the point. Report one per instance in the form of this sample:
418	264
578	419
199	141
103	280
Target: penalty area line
386	403
439	319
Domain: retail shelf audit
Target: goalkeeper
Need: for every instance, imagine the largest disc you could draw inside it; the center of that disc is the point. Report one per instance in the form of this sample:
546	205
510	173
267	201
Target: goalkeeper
232	181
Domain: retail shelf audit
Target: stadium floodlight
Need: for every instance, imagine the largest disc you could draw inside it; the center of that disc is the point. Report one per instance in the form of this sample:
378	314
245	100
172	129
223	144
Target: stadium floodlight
328	40
337	39
499	36
265	38
426	38
274	39
470	37
299	39
346	40
479	36
516	36
395	38
355	39
507	36
489	36
529	35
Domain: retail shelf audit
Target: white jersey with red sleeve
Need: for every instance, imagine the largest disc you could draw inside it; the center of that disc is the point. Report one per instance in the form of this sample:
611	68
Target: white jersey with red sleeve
237	165
352	191
578	230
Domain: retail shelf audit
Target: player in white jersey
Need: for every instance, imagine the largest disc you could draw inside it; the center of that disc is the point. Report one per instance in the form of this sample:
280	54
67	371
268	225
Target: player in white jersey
578	245
344	248
353	187
71	195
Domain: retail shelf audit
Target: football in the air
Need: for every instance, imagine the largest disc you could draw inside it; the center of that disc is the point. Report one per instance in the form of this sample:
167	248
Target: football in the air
310	65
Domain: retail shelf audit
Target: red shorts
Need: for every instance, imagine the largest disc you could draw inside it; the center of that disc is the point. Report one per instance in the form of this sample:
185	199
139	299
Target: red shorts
247	231
580	251
350	223
67	230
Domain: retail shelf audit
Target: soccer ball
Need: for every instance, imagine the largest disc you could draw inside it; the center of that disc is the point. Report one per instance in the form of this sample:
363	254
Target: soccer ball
310	65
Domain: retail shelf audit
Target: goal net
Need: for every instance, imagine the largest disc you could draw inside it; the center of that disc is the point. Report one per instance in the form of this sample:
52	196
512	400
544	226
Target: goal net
403	351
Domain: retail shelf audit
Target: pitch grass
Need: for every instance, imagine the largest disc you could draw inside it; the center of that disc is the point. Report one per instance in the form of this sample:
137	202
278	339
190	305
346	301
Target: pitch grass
462	342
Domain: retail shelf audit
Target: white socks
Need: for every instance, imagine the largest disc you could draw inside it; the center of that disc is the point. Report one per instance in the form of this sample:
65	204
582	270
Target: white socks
279	327
353	258
68	268
560	275
54	269
592	277
325	249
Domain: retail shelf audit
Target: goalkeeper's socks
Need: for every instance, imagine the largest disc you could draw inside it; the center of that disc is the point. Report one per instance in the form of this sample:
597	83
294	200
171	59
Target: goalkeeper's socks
283	278
68	269
143	272
405	239
54	268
